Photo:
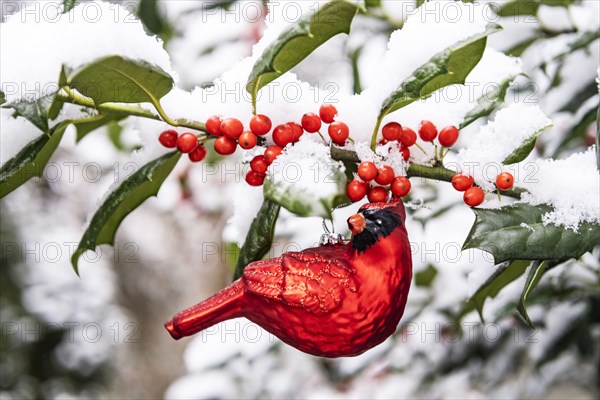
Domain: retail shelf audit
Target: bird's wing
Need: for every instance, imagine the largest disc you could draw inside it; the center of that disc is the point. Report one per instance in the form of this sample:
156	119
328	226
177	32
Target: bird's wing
306	280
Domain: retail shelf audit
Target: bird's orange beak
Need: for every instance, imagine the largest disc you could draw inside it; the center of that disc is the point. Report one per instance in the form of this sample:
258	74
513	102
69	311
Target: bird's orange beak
356	223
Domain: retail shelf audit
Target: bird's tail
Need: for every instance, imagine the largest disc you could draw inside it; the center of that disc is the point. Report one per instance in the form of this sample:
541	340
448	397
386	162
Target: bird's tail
226	304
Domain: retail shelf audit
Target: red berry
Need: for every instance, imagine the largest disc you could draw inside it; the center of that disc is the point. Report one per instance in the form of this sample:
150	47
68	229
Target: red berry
260	124
197	154
392	131
356	190
385	175
405	151
169	138
232	128
408	137
339	132
297	129
473	196
271	153
448	136
367	171
213	125
247	140
187	142
225	145
400	186
254	179
505	181
427	131
327	112
311	122
377	194
462	182
283	135
259	165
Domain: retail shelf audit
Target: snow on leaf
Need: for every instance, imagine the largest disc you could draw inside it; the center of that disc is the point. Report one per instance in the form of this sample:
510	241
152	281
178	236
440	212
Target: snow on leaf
571	186
299	40
507	138
448	67
488	102
306	180
501	233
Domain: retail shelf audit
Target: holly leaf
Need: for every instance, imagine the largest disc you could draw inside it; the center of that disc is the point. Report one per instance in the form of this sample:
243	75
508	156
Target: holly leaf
488	102
295	43
68	5
449	67
35	111
259	238
533	277
525	148
518	233
504	274
57	104
30	161
87	125
121	80
141	185
578	131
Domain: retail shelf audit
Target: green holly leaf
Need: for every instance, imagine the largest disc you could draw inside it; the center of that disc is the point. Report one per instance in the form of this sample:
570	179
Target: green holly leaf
525	148
121	80
87	125
35	111
68	5
518	233
488	102
518	49
449	67
578	131
504	274
295	43
141	185
57	104
259	238
425	277
533	277
30	161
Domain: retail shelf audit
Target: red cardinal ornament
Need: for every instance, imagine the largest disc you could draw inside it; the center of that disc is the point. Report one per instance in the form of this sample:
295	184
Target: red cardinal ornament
338	299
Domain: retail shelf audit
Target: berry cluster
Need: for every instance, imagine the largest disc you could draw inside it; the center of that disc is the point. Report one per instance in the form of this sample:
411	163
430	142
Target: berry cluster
384	176
229	133
186	143
394	132
473	195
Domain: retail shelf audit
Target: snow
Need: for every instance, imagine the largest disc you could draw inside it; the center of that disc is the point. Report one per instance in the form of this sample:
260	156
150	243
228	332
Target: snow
434	33
571	186
11	143
494	142
42	30
306	171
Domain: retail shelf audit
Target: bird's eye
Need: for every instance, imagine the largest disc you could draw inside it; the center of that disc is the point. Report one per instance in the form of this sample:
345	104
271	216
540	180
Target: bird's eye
378	222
